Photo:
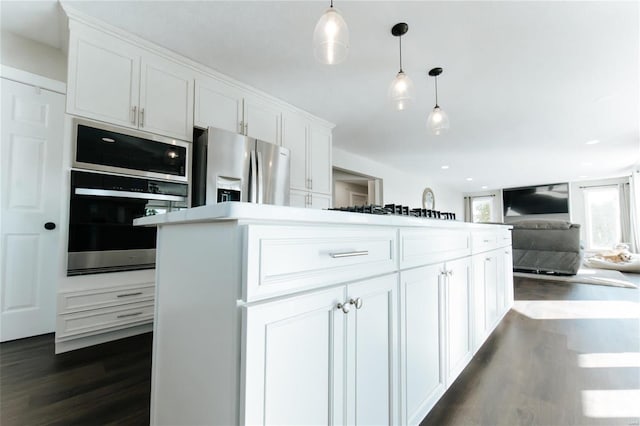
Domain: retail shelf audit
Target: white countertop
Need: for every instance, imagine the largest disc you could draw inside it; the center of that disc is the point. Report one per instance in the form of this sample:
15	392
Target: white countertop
237	211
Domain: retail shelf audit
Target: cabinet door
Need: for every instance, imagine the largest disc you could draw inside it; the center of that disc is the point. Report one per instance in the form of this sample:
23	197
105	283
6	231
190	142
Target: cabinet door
261	120
320	159
166	98
479	320
217	104
458	318
298	198
294	137
294	364
507	278
320	201
104	75
372	361
491	289
422	336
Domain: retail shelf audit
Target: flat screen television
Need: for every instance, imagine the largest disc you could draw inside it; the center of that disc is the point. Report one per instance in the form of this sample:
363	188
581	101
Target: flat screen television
541	199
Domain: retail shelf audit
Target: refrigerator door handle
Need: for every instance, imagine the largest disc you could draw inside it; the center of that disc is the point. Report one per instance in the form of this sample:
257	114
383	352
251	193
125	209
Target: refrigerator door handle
260	182
253	172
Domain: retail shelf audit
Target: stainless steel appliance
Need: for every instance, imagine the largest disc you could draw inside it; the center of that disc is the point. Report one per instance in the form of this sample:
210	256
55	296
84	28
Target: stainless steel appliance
232	167
119	175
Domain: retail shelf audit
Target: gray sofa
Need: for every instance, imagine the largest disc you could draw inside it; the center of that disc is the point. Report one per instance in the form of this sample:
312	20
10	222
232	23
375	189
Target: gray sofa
546	246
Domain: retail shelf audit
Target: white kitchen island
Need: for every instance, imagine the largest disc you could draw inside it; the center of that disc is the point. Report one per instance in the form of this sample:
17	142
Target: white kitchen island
279	315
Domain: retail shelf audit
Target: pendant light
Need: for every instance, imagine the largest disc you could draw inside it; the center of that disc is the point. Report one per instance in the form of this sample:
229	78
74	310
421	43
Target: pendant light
437	122
331	38
401	88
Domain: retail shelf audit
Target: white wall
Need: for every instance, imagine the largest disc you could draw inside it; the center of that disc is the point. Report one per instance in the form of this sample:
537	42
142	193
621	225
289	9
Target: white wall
399	187
28	55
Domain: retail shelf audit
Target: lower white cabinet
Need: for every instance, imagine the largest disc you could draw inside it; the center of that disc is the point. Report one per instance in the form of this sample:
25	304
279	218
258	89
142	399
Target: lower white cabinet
329	357
422	336
458	326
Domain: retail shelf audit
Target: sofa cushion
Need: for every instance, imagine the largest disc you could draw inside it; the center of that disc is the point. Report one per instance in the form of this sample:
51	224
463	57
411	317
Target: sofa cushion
544	224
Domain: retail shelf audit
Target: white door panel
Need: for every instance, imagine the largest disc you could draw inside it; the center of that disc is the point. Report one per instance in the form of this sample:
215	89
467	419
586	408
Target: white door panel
294	137
217	105
320	160
31	181
261	120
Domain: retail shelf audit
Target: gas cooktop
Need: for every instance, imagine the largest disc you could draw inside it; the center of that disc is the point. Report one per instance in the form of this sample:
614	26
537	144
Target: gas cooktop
397	209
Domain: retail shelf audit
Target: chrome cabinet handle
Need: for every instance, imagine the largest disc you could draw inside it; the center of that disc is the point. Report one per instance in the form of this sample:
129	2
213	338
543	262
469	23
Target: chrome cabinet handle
344	307
310	183
349	254
137	293
135	314
241	131
133	114
450	273
141	117
507	252
357	302
486	241
487	259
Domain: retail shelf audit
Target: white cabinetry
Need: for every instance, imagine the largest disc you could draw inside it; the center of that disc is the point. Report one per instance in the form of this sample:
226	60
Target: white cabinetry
300	361
224	106
117	82
422	336
310	146
316	323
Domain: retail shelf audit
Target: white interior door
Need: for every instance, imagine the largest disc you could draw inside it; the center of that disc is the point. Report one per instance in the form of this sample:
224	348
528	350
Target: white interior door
31	180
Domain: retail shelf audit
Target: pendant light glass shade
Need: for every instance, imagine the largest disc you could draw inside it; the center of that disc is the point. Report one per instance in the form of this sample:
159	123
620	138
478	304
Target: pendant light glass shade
331	38
401	92
438	121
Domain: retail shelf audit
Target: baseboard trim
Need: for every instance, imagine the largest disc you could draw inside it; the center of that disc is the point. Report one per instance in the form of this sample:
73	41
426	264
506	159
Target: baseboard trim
83	342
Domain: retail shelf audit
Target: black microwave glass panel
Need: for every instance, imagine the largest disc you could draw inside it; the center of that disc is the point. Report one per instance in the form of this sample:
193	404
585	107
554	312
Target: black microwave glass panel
102	147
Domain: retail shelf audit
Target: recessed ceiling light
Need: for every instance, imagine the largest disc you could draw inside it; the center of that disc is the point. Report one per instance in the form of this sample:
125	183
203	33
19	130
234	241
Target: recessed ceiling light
484	186
444	167
592	142
586	163
469	179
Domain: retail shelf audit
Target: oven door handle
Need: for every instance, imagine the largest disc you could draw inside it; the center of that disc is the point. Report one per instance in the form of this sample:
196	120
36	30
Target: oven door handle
128	194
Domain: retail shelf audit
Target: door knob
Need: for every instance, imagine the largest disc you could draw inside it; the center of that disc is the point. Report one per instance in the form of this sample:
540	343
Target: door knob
49	226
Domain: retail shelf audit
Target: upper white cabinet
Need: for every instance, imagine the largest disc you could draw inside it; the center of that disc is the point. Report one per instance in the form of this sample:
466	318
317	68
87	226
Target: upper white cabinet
117	82
310	146
222	105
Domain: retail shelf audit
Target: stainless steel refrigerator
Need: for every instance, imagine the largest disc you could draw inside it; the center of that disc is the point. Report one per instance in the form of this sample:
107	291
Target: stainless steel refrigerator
232	167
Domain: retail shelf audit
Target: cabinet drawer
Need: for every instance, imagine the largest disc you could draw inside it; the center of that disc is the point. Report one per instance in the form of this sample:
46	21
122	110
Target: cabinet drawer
91	299
87	322
281	259
504	238
425	246
484	241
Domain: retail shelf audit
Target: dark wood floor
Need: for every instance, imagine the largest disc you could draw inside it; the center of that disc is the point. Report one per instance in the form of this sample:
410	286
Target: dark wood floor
527	373
108	384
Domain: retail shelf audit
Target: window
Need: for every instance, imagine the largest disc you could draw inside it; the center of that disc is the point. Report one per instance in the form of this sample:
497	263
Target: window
602	212
482	209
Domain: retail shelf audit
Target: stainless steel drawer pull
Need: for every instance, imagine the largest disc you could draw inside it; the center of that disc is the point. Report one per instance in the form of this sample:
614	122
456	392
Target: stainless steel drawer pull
349	254
134	314
488	259
486	241
137	293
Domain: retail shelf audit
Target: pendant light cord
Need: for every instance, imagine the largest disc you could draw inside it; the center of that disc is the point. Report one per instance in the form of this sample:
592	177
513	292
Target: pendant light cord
436	79
400	40
331	3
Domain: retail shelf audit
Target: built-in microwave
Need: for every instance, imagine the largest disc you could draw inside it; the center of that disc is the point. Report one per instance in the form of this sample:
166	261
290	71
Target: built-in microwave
106	148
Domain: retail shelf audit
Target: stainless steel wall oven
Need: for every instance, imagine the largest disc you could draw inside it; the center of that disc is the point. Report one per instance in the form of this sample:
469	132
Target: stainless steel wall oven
119	175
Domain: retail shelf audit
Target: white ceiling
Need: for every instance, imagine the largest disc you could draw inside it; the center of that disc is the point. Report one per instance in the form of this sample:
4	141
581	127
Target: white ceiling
525	84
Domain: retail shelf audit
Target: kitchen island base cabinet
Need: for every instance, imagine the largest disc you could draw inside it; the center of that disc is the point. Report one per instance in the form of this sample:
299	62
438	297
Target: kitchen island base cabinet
304	352
273	315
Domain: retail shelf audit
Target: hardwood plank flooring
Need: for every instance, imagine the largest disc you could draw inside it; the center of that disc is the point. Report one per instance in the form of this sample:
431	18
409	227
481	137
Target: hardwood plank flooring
527	373
104	384
534	369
